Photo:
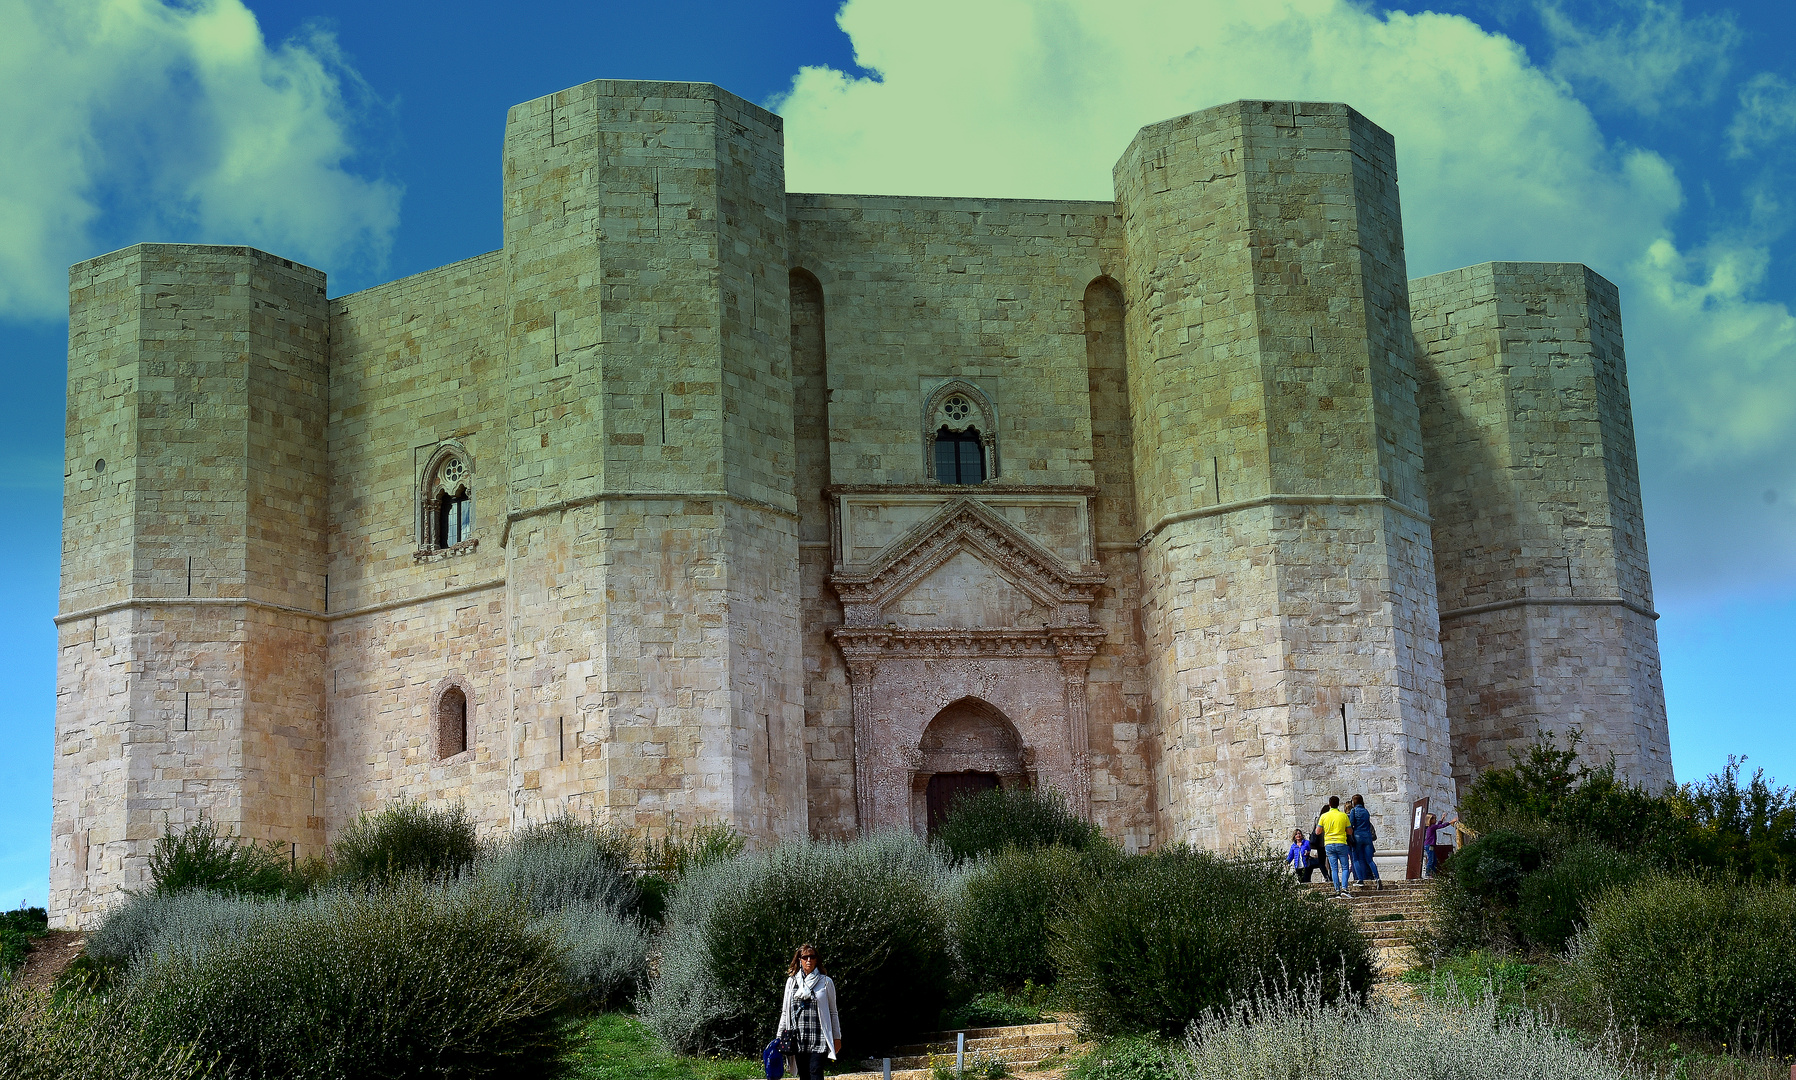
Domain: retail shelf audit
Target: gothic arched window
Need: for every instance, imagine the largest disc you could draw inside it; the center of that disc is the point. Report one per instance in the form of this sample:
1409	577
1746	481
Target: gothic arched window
960	444
446	504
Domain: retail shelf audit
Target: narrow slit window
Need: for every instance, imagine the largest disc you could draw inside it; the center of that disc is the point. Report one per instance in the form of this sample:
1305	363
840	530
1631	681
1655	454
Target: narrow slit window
959	457
452	723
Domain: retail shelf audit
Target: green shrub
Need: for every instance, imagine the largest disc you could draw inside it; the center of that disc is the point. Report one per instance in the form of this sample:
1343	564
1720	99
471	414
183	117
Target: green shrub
1492	867
133	928
1153	945
17	930
1748	830
1128	1057
200	857
1745	830
651	902
1304	1034
999	922
406	839
565	863
417	980
1464	979
871	907
999	1008
1718	959
987	822
76	1036
976	1065
670	857
1553	899
605	954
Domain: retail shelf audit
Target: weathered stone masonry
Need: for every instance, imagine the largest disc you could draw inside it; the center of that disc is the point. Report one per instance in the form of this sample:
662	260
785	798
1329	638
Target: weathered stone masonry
1261	520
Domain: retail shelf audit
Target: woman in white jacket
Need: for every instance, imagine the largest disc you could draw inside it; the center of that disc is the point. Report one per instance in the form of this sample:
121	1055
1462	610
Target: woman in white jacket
809	1015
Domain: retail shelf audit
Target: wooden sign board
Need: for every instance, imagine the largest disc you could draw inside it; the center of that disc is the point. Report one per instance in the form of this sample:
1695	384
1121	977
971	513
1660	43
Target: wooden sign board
1418	817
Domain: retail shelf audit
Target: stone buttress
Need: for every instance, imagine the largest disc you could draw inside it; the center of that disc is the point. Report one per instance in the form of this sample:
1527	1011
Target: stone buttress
1540	546
1287	570
190	652
651	532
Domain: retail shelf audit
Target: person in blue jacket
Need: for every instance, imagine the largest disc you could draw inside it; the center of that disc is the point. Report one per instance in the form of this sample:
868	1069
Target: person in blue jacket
1364	836
1299	855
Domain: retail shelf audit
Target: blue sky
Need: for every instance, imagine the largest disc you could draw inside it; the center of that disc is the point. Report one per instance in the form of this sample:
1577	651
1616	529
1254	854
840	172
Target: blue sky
1649	139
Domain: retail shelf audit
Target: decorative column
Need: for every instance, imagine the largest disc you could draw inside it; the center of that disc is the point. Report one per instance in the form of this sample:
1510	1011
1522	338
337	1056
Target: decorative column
1075	649
861	670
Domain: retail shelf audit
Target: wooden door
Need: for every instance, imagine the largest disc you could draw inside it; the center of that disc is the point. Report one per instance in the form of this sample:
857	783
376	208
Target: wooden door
944	788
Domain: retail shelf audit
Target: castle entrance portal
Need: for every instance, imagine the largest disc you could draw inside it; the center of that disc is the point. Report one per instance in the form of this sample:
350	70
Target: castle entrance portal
966	645
969	747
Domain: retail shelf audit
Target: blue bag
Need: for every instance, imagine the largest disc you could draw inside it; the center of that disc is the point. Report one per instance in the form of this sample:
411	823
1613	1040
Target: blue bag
773	1063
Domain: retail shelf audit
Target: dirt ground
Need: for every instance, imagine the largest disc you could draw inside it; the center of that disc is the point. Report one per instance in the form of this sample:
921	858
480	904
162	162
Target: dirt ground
49	955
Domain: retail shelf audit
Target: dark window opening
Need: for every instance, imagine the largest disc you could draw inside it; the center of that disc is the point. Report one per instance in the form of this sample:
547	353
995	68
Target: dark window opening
452	723
959	457
455	518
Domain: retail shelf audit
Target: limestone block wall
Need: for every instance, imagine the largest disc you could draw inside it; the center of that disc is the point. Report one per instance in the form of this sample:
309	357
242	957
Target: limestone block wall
1545	594
416	364
1288	599
650	382
191	650
902	295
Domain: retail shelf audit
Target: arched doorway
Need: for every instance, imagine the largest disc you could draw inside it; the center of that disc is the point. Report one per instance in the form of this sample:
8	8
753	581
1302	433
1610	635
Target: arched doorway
969	747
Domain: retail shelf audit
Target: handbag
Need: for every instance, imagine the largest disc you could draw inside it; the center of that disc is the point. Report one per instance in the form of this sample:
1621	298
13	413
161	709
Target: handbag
773	1059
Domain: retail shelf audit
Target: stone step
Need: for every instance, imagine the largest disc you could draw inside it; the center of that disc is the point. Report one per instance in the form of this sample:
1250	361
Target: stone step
1021	1046
1044	1041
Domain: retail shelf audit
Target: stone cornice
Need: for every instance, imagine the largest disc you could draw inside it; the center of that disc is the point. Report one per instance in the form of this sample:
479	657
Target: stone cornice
595	498
1549	601
1281	500
283	609
1002	642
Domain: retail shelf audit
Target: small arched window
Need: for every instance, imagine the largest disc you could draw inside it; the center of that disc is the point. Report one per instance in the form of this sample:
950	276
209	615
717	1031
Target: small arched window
452	722
959	435
446	510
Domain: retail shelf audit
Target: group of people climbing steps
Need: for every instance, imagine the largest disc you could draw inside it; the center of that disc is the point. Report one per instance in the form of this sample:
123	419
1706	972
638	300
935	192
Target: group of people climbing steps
1343	841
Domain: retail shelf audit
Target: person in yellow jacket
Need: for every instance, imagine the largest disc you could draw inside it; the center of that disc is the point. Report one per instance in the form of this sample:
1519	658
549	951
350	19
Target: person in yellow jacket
1335	840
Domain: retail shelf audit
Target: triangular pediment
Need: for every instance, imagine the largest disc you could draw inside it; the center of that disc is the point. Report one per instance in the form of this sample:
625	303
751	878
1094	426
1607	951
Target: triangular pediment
966	526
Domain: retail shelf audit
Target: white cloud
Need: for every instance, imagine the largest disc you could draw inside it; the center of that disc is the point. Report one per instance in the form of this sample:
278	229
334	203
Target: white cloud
1650	59
1498	157
1767	114
133	120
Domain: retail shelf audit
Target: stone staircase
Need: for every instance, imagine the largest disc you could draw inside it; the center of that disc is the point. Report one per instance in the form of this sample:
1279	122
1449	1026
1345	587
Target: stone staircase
1023	1048
1387	917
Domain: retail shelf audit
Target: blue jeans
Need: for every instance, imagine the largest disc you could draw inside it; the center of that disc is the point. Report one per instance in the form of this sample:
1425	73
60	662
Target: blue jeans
1364	866
1429	866
1340	860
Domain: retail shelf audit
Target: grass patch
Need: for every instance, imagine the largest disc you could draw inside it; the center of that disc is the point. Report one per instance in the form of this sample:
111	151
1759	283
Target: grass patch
1463	979
616	1046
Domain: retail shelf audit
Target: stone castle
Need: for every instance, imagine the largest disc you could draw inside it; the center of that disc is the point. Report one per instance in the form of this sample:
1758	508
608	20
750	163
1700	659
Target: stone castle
702	499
